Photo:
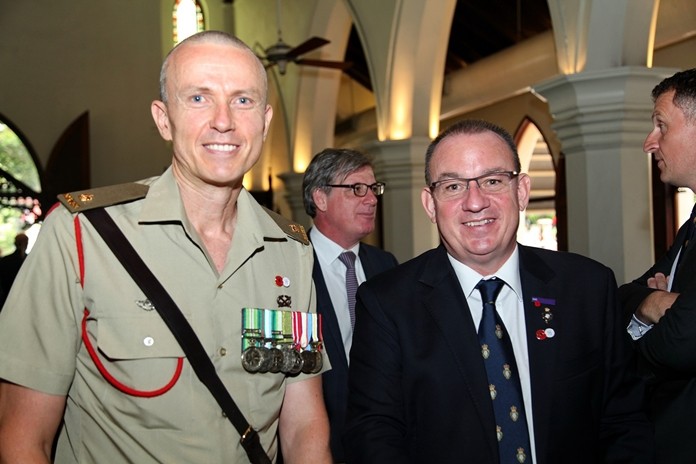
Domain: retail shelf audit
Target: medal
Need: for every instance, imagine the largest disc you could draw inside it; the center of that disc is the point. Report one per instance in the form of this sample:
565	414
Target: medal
276	341
276	360
292	361
252	359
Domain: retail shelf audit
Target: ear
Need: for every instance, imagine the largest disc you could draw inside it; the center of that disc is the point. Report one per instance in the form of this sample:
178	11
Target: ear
524	186
429	204
161	117
267	116
320	198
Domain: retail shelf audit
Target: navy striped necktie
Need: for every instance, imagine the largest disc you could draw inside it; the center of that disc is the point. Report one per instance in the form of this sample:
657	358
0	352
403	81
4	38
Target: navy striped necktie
503	379
348	258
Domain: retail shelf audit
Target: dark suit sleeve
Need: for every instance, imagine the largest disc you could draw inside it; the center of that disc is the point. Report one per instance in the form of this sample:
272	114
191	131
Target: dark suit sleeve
375	431
633	293
625	433
671	343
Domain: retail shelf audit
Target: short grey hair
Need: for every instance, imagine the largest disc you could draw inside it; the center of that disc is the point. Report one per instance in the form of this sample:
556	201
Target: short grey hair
471	126
330	166
218	37
684	85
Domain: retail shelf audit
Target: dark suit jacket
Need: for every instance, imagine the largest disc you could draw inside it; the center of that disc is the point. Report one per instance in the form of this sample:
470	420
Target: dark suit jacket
335	382
418	388
668	355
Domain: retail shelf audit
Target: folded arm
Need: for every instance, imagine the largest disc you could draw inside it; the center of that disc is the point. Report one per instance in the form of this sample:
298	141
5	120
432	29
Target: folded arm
671	343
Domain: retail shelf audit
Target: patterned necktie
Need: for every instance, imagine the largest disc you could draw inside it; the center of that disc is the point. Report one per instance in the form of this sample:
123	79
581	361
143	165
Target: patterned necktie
503	379
348	258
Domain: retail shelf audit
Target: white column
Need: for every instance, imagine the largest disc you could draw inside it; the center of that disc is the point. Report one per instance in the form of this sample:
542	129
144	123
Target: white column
602	119
407	230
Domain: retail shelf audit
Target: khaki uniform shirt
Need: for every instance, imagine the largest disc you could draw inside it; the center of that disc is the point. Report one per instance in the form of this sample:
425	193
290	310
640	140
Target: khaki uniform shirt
40	330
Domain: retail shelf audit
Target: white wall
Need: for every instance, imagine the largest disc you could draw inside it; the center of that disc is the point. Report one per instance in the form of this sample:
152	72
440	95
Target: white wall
64	57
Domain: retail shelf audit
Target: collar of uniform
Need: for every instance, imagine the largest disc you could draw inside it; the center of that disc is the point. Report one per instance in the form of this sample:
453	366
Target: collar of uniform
163	204
163	201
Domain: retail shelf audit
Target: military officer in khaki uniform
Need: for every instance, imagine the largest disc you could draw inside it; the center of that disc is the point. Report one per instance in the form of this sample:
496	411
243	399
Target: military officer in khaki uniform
214	249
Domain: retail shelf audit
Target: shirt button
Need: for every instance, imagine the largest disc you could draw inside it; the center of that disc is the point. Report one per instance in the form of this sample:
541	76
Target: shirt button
223	351
148	341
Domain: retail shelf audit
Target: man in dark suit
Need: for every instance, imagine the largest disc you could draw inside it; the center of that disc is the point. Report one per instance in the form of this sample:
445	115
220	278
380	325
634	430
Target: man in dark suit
662	310
10	264
340	194
422	374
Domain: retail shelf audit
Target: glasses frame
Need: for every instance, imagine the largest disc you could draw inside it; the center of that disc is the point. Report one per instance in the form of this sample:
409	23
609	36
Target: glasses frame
511	175
377	188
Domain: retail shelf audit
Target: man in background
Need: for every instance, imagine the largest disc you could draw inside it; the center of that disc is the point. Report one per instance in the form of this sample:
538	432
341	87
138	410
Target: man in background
340	195
10	264
661	305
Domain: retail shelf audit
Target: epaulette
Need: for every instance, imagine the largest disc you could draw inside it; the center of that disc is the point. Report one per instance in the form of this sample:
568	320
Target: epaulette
103	196
292	229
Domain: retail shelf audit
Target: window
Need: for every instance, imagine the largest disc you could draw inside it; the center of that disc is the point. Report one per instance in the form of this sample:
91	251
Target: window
187	19
19	188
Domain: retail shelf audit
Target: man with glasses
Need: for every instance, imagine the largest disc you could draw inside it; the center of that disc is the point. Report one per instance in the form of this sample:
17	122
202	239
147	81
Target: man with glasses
484	350
340	195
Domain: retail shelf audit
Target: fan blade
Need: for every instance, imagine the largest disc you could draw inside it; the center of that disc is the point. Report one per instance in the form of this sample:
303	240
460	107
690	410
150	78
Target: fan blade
325	64
307	46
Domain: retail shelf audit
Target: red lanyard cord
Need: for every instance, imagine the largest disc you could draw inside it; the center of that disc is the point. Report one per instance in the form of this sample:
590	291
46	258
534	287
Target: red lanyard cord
93	353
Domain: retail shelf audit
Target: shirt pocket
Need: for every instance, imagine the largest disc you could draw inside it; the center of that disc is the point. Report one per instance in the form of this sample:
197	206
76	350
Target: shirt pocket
133	338
140	355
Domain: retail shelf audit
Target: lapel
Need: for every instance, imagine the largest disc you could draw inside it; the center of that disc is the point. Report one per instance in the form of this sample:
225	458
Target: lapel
538	282
445	302
366	262
687	263
330	329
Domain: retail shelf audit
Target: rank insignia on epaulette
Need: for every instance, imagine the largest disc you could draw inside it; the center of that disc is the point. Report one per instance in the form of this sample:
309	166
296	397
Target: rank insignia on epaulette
291	229
102	196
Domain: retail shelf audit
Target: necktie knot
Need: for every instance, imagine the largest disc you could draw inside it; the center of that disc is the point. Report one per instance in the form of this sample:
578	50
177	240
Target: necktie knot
348	258
490	289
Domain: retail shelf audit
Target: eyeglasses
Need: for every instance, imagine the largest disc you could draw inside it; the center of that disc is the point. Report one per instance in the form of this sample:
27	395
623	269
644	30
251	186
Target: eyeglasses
360	189
491	183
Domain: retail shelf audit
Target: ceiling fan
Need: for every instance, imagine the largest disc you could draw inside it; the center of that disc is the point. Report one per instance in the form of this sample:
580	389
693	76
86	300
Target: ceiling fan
281	54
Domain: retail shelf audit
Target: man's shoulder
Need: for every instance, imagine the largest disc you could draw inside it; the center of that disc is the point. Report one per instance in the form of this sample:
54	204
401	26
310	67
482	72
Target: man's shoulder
409	271
83	200
562	262
292	229
380	258
372	249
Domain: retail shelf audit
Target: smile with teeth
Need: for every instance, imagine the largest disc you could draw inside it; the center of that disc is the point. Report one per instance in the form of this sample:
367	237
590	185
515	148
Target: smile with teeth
221	147
482	222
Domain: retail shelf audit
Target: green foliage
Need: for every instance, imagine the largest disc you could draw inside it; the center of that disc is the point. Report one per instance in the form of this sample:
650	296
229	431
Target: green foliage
15	159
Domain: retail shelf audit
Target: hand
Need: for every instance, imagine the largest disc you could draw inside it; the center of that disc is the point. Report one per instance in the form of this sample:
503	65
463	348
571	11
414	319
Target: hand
656	304
659	282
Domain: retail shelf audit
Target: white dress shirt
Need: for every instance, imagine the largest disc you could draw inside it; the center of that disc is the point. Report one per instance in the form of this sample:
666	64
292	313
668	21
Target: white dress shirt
510	307
334	272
